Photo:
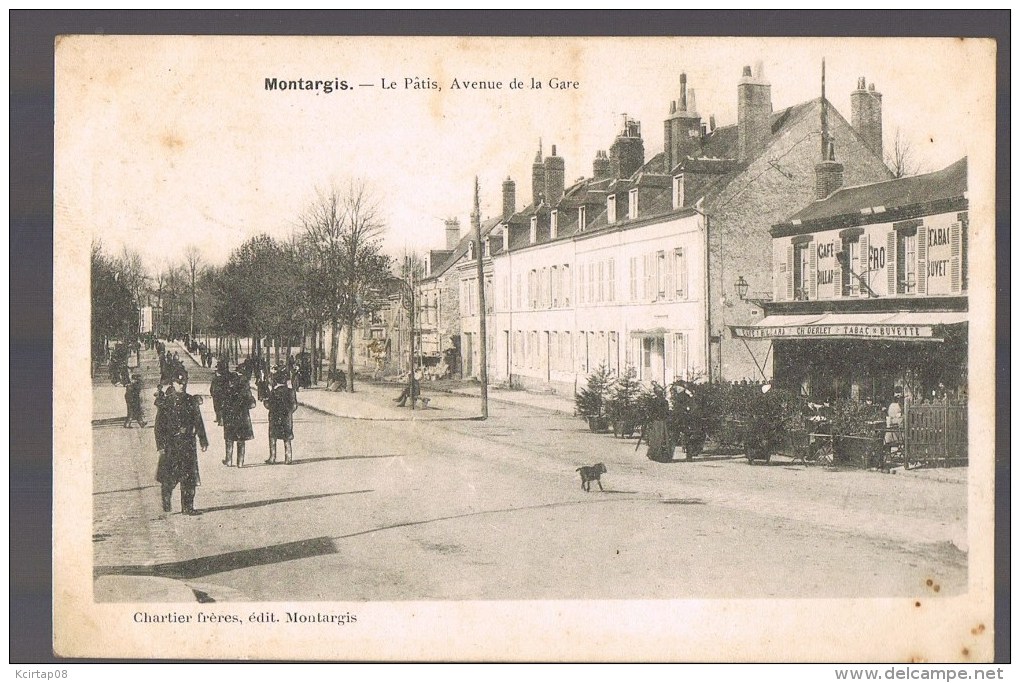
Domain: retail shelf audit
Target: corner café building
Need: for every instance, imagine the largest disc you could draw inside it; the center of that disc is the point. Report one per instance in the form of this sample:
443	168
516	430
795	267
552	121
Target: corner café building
870	292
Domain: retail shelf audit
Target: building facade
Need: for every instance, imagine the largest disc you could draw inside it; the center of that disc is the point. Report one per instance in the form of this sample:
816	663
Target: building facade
870	291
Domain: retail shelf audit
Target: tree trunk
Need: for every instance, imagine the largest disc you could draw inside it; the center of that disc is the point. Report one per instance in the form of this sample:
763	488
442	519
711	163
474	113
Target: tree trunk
350	357
334	346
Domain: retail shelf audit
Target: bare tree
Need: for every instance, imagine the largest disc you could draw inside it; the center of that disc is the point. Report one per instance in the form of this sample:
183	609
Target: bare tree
901	159
193	264
343	230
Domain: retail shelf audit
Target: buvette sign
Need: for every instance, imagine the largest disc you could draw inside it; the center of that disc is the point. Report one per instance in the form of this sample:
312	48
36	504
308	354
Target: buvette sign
857	331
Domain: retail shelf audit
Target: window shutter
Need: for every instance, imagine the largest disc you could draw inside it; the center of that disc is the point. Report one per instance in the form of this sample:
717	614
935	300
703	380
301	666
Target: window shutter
633	278
789	273
670	275
954	257
667	357
649	293
892	264
922	260
864	264
812	274
612	280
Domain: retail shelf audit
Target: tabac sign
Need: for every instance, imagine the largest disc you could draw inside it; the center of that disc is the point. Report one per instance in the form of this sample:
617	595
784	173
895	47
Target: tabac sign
841	331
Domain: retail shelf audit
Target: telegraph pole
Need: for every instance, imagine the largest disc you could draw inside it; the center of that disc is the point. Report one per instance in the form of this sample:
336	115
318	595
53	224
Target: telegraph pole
483	375
410	286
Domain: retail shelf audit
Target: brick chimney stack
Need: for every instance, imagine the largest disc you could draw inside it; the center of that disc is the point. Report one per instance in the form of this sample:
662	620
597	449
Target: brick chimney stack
682	129
866	115
754	107
627	154
555	177
509	198
601	167
452	233
537	177
828	175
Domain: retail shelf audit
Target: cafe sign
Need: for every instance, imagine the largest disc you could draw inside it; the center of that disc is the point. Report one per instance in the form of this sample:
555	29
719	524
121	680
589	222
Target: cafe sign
839	331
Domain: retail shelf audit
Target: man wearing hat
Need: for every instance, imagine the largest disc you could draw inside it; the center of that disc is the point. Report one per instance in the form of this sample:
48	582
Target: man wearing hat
133	399
178	423
218	388
235	413
281	403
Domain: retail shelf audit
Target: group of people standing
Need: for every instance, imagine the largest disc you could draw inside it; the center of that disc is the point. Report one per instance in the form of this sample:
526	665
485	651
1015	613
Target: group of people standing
180	429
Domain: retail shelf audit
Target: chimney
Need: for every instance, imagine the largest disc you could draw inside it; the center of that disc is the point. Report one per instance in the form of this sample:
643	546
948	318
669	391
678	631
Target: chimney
537	177
866	115
627	153
601	167
509	198
711	123
828	175
754	107
555	178
452	233
682	129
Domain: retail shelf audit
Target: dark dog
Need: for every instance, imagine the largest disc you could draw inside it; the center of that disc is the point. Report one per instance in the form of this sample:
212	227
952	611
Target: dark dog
590	473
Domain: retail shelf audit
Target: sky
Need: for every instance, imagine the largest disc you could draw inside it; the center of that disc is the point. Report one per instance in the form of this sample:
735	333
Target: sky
165	142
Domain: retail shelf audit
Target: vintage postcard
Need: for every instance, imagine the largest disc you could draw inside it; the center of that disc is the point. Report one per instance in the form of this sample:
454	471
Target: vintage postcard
557	349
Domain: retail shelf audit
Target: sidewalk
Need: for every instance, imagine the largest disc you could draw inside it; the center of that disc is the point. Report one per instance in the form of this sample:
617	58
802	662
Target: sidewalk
376	402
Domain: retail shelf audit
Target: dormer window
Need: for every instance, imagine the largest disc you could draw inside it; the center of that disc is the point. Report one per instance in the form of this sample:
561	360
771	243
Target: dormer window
554	224
486	252
611	208
506	237
534	229
632	207
678	190
582	219
471	250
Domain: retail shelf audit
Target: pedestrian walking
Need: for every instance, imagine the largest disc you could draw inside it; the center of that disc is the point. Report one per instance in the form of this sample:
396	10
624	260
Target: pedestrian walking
281	402
218	388
133	399
235	412
178	425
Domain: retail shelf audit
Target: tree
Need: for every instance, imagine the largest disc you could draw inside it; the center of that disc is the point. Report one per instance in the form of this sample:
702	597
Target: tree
193	265
343	231
113	306
901	159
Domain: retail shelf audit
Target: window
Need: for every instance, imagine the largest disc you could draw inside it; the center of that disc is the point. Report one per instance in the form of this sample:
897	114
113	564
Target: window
660	275
517	297
646	358
680	272
566	284
565	355
680	356
611	208
534	229
555	284
580	284
582	219
611	281
649	285
543	287
614	353
554	224
632	207
533	288
601	294
678	190
800	271
633	278
850	260
591	282
471	250
906	262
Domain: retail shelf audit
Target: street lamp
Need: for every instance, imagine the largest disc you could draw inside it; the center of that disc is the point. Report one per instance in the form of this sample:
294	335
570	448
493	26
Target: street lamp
741	287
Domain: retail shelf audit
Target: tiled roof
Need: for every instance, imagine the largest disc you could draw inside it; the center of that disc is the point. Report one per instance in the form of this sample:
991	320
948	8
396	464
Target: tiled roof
949	183
487	226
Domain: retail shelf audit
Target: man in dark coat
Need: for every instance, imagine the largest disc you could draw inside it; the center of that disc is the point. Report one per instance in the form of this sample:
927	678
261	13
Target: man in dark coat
218	388
235	413
133	399
281	403
178	423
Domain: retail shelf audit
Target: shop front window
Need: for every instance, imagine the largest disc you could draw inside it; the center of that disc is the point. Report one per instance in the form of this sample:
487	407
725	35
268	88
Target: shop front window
906	266
800	271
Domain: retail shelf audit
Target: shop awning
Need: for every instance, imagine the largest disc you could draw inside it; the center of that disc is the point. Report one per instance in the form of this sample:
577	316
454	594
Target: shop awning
889	326
654	332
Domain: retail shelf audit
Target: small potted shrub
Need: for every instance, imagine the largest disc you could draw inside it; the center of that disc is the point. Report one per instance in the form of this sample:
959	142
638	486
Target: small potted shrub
622	406
590	403
854	438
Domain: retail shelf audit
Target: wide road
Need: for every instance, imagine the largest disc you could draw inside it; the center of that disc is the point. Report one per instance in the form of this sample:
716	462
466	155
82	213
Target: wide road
383	510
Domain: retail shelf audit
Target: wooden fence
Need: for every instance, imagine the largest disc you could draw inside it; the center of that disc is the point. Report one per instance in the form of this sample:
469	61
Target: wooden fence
935	434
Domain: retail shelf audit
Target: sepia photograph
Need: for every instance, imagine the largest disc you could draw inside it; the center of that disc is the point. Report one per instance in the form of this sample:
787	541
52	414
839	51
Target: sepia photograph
545	349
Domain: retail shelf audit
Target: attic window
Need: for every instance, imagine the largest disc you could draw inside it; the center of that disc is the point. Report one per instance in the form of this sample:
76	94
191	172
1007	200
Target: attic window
534	229
678	190
486	253
554	224
611	208
632	207
471	250
582	219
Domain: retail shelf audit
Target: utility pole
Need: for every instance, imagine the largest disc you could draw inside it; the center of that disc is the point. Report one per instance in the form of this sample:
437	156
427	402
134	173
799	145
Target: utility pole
483	375
409	267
